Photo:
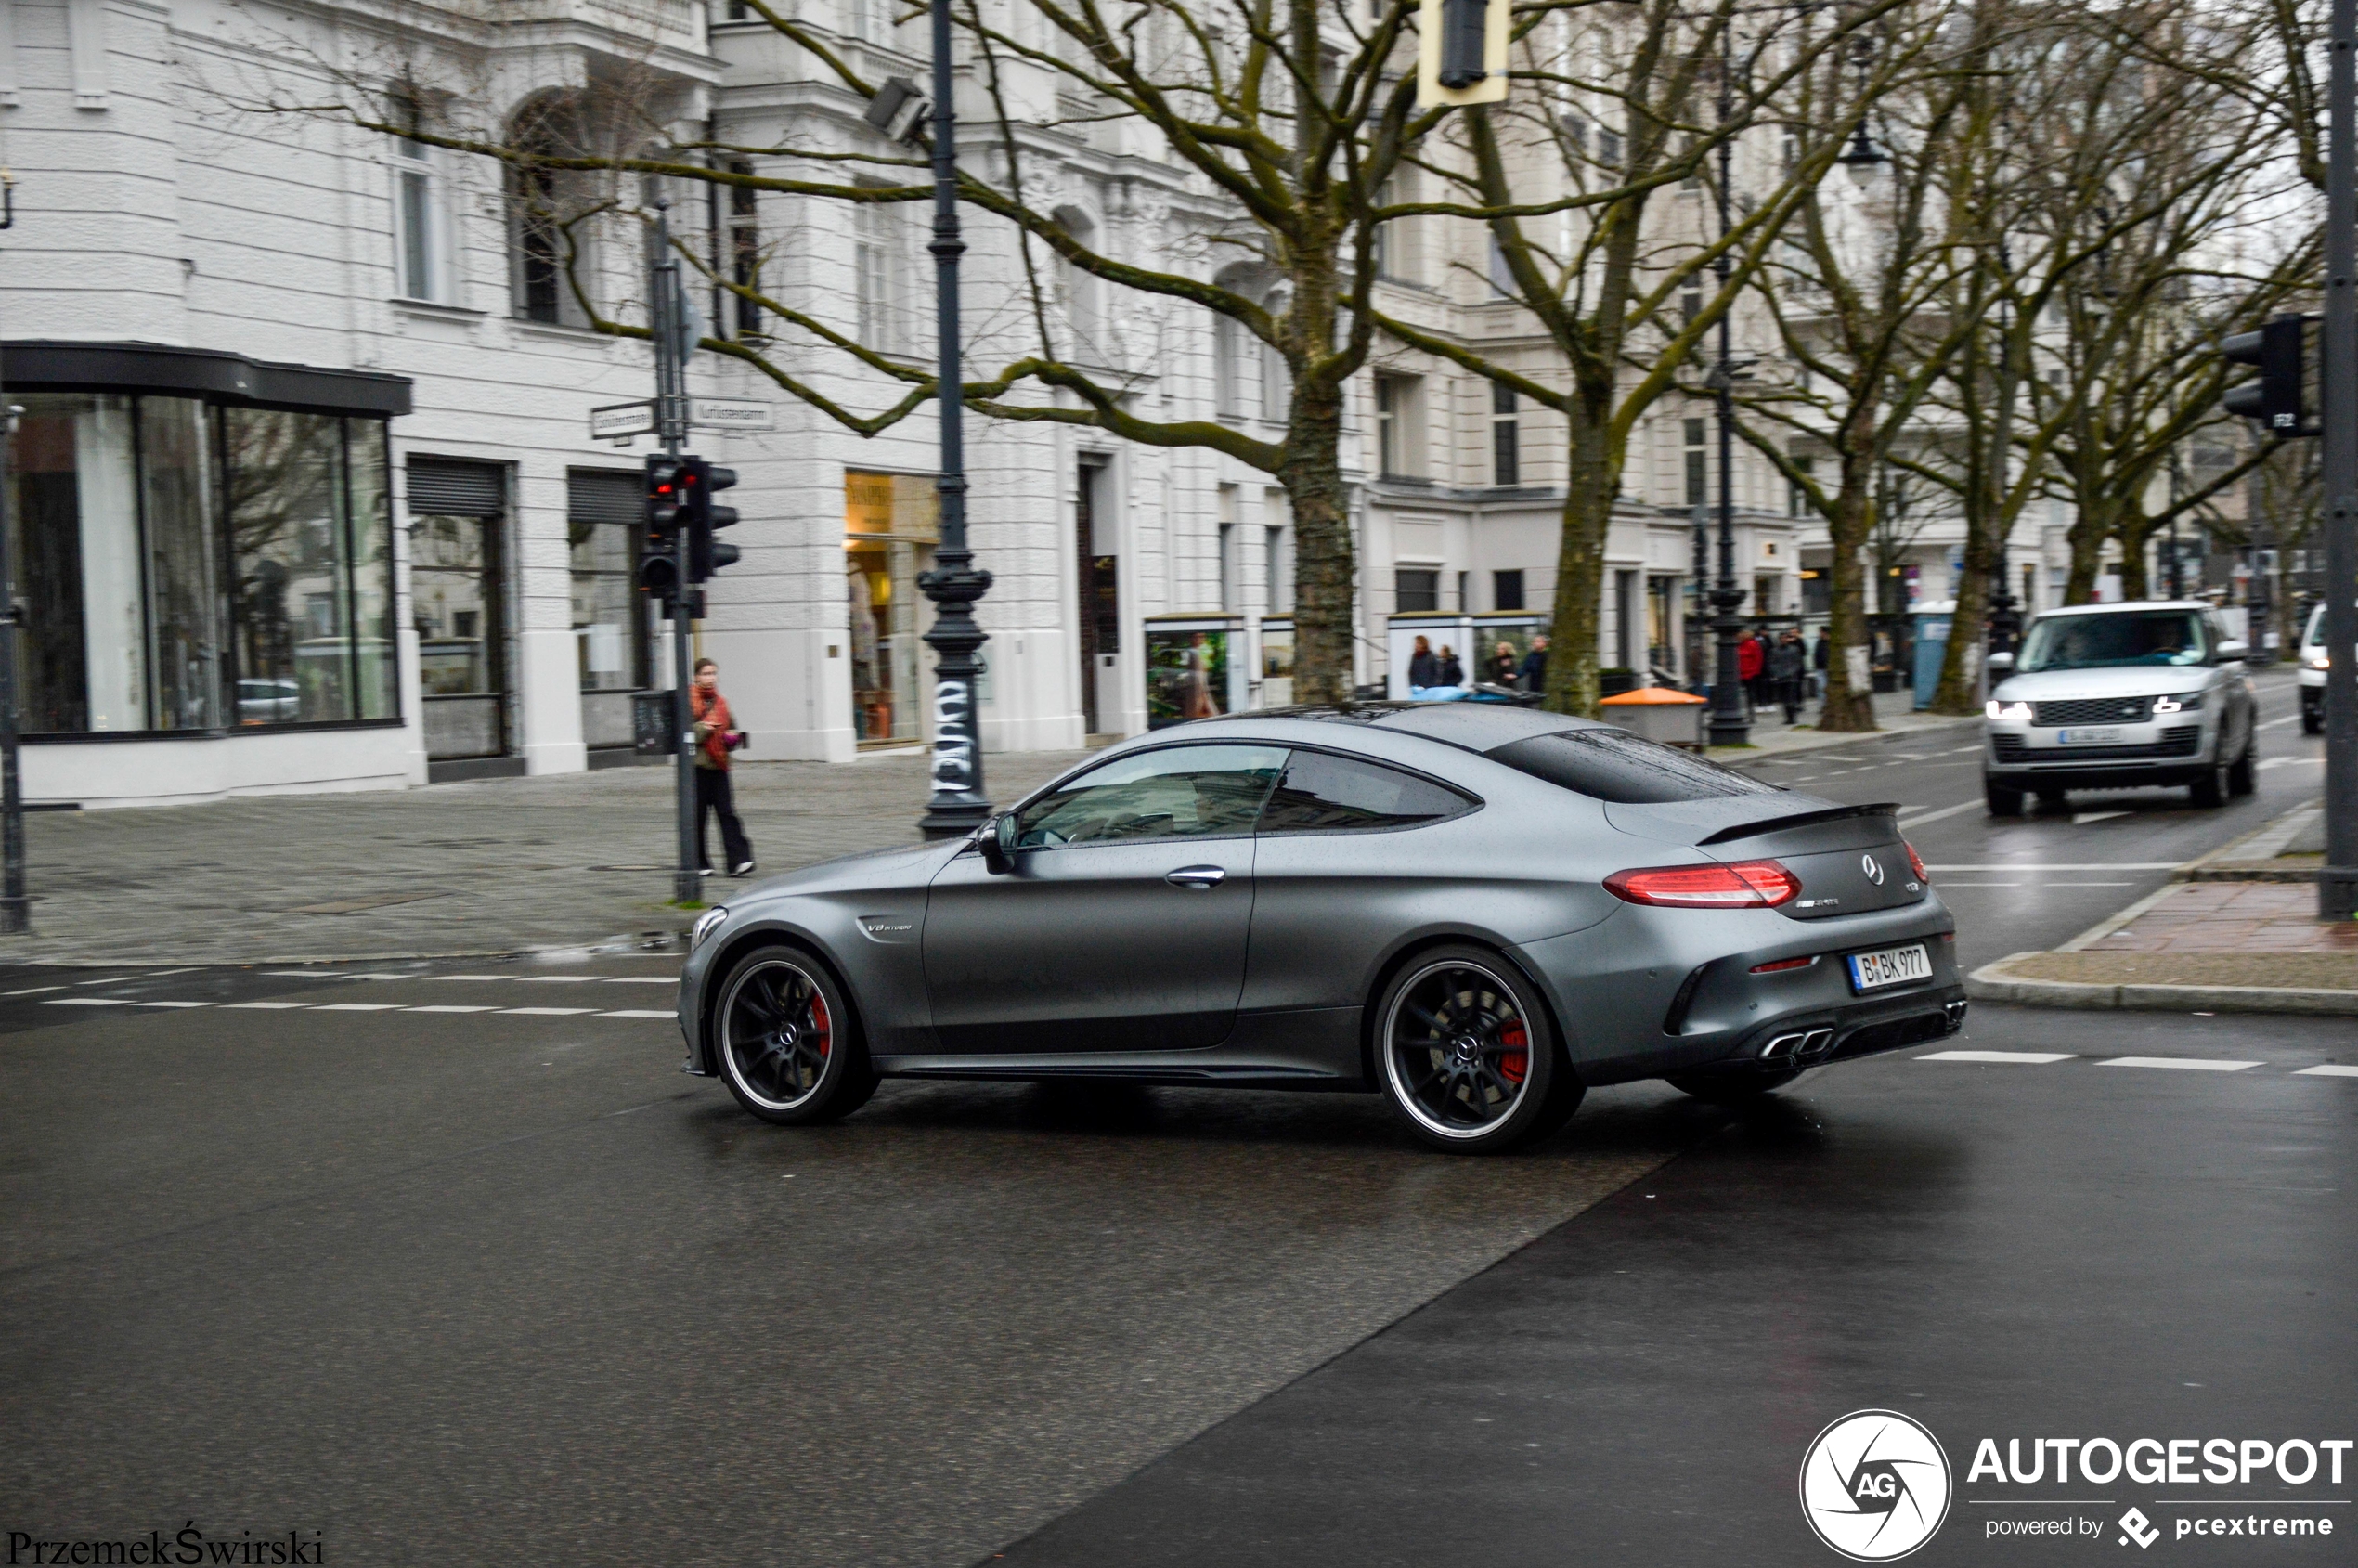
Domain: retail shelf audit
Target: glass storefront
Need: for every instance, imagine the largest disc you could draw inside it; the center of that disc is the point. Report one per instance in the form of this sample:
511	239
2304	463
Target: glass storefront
187	566
891	525
1189	673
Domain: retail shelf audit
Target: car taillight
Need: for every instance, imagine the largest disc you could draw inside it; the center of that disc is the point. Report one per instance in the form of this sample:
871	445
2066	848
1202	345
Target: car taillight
1915	861
1743	884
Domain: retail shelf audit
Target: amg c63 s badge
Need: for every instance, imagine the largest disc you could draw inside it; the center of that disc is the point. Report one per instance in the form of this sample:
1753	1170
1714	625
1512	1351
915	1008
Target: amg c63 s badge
1475	912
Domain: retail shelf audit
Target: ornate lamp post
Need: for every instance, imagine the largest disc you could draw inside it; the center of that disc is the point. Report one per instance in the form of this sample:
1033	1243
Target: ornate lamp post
1731	721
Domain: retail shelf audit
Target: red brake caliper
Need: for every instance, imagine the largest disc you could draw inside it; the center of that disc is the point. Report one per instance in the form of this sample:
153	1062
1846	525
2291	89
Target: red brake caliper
827	1034
1517	1061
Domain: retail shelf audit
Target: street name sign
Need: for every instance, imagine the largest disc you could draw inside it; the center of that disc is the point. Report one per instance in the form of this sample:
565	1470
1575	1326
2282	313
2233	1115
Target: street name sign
731	413
618	421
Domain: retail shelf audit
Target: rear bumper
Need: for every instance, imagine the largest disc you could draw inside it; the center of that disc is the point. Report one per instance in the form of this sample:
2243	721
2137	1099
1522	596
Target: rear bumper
1869	1029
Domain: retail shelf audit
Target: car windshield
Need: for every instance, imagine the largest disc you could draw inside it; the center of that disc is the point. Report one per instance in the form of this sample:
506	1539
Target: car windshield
2102	642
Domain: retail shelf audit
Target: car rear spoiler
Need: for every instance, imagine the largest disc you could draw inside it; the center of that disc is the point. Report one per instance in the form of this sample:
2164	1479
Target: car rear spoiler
1799	819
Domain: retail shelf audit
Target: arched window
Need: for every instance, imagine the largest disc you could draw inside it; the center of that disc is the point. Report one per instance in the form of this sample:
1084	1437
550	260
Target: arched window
546	244
1277	376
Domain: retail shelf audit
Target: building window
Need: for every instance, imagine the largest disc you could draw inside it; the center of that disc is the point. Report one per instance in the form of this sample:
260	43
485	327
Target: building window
1399	444
420	222
1690	304
603	526
1502	276
745	249
1281	568
737	10
1506	438
1227	565
539	249
891	525
1797	497
1506	590
1698	465
1415	589
1228	341
880	277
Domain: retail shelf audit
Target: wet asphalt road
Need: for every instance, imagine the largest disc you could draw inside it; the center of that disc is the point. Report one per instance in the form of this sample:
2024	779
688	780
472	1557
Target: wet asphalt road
479	1283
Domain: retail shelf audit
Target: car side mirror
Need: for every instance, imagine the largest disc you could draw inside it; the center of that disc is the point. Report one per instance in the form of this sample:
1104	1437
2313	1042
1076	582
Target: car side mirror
2002	661
996	839
2231	651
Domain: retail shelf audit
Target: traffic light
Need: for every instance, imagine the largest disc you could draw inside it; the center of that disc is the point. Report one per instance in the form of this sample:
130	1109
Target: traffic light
701	518
658	558
2273	398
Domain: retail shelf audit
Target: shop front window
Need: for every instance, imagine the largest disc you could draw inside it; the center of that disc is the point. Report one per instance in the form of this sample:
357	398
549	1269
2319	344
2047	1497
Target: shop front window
184	567
891	523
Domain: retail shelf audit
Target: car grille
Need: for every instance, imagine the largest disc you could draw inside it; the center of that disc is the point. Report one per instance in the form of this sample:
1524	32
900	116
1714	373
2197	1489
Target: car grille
2180	740
2092	711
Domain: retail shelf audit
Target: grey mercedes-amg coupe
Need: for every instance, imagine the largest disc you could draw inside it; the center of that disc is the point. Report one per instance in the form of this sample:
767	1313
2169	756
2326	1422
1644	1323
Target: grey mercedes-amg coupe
1477	912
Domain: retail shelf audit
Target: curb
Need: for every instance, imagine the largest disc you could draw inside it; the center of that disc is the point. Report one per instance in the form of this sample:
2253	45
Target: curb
1991	982
645	941
1824	740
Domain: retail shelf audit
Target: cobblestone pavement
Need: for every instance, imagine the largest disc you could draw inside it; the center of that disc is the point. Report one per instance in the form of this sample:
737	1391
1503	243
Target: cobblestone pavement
499	865
2232	917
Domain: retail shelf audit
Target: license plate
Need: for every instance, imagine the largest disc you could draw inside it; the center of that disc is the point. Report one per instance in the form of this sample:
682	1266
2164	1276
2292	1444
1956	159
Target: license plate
1891	965
2085	737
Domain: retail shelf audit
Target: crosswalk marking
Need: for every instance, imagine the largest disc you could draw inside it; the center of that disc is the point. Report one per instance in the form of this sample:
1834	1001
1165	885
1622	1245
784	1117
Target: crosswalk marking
31	991
641	979
2331	1069
559	979
2035	1056
273	1006
453	1007
549	1012
637	1013
172	1004
87	1000
2191	1064
358	1008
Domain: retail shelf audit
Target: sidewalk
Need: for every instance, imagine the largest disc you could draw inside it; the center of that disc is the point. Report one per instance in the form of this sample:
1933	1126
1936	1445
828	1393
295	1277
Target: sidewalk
494	866
1773	737
2236	931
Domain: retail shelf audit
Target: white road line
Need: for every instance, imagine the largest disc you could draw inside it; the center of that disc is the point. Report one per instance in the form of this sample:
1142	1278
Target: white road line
1946	884
2092	884
2080	818
641	979
2331	1069
2267	762
1958	810
2190	1064
452	1009
159	974
637	1013
551	1012
272	1007
2072	865
559	979
31	991
2273	722
395	975
86	1002
1960	751
110	980
172	1004
473	976
358	1008
298	975
2034	1057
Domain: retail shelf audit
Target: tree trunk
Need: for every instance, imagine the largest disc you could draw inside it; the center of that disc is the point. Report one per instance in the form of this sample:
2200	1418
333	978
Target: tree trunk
1959	692
1311	474
2134	533
2089	531
1849	705
1580	569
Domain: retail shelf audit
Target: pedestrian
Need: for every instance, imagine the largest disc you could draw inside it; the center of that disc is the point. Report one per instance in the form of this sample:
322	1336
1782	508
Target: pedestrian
1423	668
1452	672
1502	664
1535	666
1819	653
1787	662
1751	658
715	737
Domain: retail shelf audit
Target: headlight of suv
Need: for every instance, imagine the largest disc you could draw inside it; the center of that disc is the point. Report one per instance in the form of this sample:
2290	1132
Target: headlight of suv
2183	702
1996	709
2317	659
706	923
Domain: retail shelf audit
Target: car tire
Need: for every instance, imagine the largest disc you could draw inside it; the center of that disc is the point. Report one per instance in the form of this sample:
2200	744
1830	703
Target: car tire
787	1041
2241	777
2050	799
2003	802
2313	722
1467	1054
2211	791
1732	1088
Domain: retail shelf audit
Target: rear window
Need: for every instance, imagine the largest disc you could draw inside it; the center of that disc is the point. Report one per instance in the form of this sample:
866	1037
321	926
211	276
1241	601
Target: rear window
1615	766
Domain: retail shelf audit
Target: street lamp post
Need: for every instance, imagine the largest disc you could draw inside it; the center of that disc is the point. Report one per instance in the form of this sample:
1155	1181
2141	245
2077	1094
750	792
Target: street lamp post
1730	722
15	908
2337	879
958	804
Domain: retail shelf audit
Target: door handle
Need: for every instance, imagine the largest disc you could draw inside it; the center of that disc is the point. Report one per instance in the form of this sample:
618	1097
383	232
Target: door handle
1202	878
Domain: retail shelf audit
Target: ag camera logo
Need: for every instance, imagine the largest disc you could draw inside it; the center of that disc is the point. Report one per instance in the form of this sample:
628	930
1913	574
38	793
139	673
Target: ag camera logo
1876	1485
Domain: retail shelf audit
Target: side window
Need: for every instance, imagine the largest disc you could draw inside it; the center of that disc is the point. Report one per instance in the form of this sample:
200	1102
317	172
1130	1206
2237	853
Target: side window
1181	792
1324	794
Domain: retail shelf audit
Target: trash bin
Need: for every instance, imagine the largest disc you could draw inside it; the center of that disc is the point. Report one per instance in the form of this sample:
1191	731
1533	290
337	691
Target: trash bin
1657	713
1932	646
652	731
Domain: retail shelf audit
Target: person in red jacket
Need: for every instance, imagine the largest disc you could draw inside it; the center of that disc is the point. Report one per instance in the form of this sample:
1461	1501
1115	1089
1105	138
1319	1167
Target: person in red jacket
717	736
1751	658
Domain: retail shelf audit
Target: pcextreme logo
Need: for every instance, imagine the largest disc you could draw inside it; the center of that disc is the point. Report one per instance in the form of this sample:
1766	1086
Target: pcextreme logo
1875	1486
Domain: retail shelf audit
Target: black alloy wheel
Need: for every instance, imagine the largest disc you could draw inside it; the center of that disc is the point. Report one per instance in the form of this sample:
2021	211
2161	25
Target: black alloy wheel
1468	1056
787	1040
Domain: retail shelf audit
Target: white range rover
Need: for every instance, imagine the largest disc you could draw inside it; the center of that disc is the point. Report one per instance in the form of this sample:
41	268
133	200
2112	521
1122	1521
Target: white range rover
2112	696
